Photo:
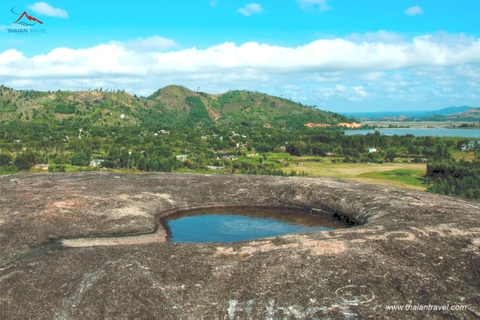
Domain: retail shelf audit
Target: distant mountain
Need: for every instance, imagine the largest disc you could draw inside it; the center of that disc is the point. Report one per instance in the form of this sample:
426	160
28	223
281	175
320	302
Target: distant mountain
451	110
170	106
406	115
470	115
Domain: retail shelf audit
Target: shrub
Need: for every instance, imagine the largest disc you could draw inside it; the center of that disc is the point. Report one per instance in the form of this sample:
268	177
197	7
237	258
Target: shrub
65	108
5	159
80	159
25	161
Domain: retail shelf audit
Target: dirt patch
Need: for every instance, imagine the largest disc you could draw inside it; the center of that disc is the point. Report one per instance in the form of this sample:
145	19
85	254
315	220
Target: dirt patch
215	115
317	125
411	248
352	125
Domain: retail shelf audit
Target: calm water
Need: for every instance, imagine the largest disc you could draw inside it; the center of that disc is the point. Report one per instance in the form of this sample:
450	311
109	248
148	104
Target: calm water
466	133
237	224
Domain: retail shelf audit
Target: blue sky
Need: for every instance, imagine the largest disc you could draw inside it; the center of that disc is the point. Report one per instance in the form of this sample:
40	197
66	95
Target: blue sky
341	55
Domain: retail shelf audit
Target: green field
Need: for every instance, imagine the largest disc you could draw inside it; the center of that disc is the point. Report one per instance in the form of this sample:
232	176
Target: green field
400	175
459	155
407	176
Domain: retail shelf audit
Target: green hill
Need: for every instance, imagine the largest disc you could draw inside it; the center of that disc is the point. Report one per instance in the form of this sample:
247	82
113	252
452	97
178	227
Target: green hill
243	107
171	106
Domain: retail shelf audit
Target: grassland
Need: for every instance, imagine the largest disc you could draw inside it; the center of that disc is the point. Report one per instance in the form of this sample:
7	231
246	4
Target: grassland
400	175
467	156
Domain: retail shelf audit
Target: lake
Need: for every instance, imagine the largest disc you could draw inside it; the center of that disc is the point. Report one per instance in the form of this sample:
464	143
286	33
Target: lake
243	223
421	132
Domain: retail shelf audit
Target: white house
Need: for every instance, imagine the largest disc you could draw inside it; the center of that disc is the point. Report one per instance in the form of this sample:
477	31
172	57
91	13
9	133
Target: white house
182	157
469	146
96	162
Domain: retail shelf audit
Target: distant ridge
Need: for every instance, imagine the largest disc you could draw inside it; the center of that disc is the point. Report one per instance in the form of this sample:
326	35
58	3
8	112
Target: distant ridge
452	110
407	114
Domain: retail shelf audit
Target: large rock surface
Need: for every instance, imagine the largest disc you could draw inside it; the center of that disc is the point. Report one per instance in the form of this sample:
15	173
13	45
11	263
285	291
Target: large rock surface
411	248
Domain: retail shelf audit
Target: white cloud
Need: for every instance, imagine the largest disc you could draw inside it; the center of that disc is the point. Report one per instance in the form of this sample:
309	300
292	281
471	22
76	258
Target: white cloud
380	36
328	77
333	68
360	91
325	57
46	9
307	4
251	8
354	93
468	71
373	76
10	56
397	77
151	44
413	11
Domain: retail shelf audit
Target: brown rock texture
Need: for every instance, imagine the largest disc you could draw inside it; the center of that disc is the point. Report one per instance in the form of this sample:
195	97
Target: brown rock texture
410	249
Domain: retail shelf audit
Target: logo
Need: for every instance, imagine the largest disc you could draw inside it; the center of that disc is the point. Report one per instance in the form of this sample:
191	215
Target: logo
28	22
25	14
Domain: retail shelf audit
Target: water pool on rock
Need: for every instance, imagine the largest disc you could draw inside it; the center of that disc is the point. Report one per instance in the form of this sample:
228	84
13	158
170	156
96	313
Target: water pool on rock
230	224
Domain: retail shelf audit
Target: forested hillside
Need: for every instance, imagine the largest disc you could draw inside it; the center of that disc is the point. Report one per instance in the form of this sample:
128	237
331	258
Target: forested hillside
172	106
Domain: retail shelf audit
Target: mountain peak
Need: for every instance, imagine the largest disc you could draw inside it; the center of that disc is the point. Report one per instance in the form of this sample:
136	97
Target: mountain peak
172	90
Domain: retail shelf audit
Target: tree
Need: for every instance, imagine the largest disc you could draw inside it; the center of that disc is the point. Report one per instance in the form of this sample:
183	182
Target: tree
294	150
5	159
391	155
25	161
80	159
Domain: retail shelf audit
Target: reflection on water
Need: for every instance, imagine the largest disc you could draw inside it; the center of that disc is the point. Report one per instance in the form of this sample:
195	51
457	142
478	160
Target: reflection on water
243	223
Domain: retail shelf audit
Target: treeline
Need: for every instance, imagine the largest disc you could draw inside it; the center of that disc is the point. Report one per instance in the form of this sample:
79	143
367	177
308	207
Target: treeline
154	147
133	147
374	147
455	179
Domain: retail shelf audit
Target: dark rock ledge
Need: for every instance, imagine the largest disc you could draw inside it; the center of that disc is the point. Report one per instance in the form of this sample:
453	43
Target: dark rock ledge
410	248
